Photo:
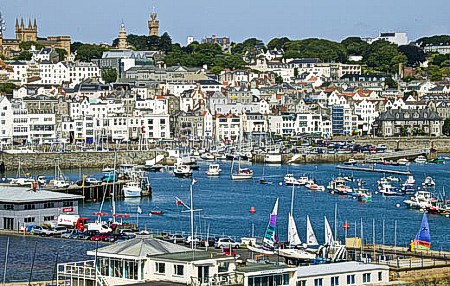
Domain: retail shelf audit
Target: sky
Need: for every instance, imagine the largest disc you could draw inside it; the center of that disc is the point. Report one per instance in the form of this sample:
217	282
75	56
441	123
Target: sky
98	21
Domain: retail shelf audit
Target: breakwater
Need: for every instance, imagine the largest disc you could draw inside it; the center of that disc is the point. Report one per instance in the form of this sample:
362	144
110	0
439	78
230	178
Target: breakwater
69	160
313	158
405	143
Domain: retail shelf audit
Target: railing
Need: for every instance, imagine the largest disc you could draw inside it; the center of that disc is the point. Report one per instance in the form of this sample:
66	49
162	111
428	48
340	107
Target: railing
219	280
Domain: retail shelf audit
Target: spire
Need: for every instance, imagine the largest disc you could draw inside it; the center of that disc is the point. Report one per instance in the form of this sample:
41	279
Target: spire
21	23
35	25
17	23
29	23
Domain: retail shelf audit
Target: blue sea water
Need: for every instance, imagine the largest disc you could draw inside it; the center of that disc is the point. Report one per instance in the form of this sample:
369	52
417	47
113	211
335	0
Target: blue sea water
225	206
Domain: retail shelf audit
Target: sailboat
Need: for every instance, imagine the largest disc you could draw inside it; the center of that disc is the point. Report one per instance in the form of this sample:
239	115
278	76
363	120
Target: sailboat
294	241
329	240
241	173
422	240
311	239
269	239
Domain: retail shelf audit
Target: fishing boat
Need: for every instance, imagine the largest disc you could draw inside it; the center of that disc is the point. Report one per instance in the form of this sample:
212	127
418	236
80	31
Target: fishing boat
313	186
350	162
422	241
269	239
132	190
338	186
420	200
403	162
421	160
429	182
363	195
390	191
182	171
393	179
290	180
207	157
213	170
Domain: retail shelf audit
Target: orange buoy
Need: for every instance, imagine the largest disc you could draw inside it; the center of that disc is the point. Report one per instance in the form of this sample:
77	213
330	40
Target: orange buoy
252	210
346	226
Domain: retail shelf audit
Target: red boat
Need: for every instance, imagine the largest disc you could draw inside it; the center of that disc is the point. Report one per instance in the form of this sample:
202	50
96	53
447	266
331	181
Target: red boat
156	212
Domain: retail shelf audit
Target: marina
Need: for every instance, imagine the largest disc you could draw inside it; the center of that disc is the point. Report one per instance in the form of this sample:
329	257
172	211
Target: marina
362	169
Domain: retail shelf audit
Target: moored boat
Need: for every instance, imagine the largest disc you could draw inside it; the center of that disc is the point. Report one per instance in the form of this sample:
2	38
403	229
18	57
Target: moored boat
421	160
213	170
182	171
132	190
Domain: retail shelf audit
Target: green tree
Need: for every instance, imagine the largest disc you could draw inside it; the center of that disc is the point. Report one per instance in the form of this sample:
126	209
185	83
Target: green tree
434	40
384	56
355	46
277	43
446	127
165	43
75	46
414	54
61	53
317	48
87	52
7	88
390	82
24	56
26	46
109	75
278	79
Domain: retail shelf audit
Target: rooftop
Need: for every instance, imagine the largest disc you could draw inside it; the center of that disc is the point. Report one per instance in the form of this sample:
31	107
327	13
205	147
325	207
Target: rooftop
23	195
256	267
337	268
189	256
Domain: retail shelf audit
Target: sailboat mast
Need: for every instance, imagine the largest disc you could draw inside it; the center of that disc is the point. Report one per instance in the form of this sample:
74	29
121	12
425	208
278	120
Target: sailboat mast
335	222
113	202
292	200
192	220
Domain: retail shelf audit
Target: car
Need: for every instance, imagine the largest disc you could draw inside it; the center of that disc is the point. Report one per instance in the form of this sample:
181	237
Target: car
89	181
126	231
84	236
209	242
100	237
38	230
59	230
226	242
70	233
188	240
175	238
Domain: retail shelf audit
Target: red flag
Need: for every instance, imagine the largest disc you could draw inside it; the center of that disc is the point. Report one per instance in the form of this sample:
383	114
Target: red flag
194	181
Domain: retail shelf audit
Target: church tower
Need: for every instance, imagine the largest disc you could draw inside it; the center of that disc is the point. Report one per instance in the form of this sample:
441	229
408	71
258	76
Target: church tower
153	24
123	42
26	34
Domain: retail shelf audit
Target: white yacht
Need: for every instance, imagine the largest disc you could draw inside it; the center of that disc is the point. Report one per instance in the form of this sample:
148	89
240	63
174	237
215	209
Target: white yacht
182	171
132	190
421	160
213	170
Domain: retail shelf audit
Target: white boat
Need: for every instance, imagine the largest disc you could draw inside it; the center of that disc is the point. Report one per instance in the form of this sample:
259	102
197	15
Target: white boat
410	181
272	158
421	160
393	179
213	170
350	162
389	190
303	180
403	162
338	186
429	182
182	171
107	170
240	173
420	200
269	240
132	190
207	157
290	180
311	185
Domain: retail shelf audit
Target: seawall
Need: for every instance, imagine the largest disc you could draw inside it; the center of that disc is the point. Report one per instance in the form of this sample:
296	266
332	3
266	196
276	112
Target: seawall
67	160
404	143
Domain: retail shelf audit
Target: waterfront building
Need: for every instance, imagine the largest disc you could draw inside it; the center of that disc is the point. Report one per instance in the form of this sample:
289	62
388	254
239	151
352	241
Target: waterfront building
21	207
397	38
400	122
159	262
6	120
344	273
228	128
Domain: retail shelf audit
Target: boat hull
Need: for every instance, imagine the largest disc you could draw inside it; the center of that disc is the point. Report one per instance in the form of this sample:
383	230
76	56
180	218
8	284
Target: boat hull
132	193
240	177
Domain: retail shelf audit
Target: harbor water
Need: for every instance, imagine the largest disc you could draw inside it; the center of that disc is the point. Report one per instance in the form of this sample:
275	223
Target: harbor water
224	207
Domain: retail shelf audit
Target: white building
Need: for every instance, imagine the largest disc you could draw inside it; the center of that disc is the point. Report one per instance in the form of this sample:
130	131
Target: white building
228	127
399	39
6	120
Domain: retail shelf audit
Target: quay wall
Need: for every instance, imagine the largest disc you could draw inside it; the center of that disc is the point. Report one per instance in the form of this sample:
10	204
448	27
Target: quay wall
314	158
404	143
68	160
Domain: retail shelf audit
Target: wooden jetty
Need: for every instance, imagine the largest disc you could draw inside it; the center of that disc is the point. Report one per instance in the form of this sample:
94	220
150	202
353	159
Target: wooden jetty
361	169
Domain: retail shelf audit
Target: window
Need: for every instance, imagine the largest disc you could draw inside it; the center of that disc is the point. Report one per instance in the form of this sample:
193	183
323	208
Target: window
48	205
8	206
366	278
68	204
301	283
318	282
350	279
28	219
160	267
335	281
380	276
178	270
29	207
49	218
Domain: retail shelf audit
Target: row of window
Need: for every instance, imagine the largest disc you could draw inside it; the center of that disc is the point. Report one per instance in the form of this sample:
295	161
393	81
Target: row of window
160	268
351	280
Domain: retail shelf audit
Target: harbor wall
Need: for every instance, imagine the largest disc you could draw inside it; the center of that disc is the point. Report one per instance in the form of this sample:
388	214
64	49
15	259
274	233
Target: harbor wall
405	143
68	160
313	158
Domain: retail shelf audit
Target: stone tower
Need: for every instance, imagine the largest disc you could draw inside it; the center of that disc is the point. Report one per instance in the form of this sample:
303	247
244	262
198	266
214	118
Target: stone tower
26	34
123	42
153	24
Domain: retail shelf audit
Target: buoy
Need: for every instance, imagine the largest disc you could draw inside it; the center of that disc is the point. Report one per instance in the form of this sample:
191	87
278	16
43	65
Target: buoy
346	226
397	205
94	200
252	210
280	183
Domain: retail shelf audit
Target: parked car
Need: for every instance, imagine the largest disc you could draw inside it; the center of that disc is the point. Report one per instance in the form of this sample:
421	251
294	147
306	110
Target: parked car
84	236
100	237
226	242
89	181
38	230
188	240
69	233
175	238
59	230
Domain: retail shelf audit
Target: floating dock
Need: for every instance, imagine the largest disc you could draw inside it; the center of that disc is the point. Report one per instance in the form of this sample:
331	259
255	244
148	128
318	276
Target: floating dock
373	170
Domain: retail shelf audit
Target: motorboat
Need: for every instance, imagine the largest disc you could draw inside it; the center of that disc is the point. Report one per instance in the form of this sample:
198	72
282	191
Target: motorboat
132	190
393	179
182	171
389	190
290	180
420	200
410	181
421	160
363	195
429	182
338	186
313	186
213	170
272	158
207	157
350	162
403	162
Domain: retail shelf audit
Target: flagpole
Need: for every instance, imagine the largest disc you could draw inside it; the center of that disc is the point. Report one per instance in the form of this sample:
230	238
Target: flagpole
192	220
